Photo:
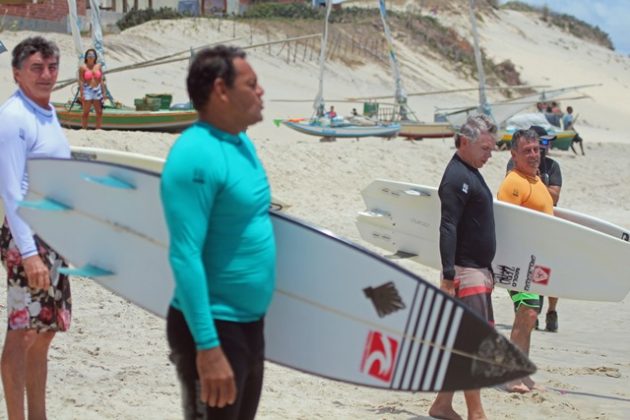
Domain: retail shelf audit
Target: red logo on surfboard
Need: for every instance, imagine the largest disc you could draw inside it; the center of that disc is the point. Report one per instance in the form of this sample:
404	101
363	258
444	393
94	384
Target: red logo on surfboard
379	356
541	275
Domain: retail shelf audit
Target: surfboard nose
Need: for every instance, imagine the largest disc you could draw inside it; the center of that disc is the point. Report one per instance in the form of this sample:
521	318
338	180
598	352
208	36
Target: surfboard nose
495	360
497	356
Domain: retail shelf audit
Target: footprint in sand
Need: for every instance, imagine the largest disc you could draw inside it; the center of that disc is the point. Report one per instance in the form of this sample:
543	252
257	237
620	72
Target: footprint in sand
604	371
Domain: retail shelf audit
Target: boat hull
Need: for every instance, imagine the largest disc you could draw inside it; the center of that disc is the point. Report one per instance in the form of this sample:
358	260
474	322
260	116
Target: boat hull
129	119
344	131
562	142
418	130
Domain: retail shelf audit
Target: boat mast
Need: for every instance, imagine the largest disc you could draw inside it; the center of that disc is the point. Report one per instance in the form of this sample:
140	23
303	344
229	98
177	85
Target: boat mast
97	41
318	104
97	32
484	107
399	92
73	18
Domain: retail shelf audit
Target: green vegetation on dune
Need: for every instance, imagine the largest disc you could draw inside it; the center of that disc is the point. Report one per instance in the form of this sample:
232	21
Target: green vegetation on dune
417	31
138	17
568	23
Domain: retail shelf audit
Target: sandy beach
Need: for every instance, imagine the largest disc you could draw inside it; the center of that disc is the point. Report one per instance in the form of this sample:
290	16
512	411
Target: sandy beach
113	363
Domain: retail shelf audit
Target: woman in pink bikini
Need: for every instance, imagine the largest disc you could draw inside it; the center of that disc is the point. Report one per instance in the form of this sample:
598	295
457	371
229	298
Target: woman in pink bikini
91	88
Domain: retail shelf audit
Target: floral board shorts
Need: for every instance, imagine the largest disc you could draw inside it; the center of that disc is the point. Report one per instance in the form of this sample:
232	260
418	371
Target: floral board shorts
42	310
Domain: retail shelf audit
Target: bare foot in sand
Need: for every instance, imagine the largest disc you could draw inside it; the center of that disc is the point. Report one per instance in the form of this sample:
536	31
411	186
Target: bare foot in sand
517	386
477	416
446	413
529	383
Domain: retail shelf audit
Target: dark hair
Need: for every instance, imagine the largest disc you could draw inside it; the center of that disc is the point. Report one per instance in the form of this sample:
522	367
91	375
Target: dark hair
520	135
207	66
33	45
89	50
569	109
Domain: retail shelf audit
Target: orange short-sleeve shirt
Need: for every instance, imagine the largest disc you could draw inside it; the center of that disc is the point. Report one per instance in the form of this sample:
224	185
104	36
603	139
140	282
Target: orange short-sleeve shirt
524	191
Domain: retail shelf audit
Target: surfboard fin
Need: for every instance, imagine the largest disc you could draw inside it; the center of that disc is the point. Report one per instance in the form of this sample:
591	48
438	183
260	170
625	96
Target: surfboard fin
109	181
86	271
404	255
46	204
414	192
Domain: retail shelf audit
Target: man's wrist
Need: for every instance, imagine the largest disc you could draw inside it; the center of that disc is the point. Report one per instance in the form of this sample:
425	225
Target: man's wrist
448	275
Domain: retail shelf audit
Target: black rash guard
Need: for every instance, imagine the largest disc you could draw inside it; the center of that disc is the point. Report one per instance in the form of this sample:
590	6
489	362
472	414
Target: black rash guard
467	236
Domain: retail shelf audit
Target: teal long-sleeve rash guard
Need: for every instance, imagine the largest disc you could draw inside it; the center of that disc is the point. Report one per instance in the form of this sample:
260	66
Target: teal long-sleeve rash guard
216	197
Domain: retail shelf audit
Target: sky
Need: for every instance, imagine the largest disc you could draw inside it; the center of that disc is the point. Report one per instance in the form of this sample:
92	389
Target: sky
612	16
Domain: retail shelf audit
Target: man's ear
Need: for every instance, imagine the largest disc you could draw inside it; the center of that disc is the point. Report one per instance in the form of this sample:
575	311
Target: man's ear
220	89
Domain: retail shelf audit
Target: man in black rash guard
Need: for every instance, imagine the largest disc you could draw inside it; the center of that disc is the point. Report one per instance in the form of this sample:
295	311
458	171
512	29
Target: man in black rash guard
467	238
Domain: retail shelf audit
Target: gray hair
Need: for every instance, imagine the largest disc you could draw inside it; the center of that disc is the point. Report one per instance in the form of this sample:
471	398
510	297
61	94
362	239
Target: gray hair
520	136
33	45
474	127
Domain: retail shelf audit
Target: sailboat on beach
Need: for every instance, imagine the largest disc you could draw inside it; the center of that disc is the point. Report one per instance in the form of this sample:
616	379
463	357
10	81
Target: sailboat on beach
117	116
508	115
410	126
329	125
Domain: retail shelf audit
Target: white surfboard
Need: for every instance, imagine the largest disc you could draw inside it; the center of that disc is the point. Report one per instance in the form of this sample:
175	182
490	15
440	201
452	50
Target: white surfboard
593	223
338	311
536	252
140	161
135	160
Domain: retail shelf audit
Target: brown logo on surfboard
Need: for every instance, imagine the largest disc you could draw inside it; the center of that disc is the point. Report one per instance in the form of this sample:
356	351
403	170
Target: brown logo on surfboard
385	298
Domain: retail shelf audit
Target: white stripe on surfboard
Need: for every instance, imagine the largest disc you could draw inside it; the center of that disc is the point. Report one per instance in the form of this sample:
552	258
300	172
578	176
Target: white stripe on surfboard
407	367
425	350
446	357
410	363
445	317
407	345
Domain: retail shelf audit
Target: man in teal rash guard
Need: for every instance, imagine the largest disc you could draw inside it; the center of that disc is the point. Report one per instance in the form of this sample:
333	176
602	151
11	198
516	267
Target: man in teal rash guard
216	198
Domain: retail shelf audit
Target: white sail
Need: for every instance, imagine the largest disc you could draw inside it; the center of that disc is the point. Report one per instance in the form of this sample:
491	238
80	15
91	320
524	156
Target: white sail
318	104
97	32
73	21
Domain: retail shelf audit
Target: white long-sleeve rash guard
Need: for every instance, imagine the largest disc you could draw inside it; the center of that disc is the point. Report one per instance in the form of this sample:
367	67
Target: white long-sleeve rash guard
26	131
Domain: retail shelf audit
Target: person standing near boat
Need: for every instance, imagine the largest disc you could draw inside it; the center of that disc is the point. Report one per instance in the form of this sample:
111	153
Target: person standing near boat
39	301
91	88
568	121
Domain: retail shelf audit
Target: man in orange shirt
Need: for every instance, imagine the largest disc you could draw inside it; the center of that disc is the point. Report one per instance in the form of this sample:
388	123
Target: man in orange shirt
523	187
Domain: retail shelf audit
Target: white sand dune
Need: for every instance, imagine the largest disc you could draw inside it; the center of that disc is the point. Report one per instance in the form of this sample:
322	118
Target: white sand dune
113	363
